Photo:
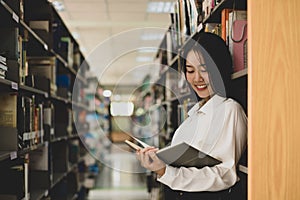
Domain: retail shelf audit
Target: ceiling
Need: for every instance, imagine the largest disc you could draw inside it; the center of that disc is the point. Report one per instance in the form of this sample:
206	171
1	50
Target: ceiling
119	38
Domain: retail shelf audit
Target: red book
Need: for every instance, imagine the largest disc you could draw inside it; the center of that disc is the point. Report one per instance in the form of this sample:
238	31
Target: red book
239	45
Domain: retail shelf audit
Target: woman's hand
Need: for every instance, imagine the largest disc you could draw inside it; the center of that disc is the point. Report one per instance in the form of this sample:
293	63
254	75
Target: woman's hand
149	160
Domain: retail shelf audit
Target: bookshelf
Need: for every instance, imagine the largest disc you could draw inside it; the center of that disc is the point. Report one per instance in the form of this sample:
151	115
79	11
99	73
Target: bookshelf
42	155
181	91
180	99
274	139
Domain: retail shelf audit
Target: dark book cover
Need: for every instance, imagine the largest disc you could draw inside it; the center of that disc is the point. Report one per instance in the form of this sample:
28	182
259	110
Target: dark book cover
184	155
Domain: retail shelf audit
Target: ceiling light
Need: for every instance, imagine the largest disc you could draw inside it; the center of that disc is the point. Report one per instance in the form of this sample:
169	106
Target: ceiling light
168	7
152	36
107	93
76	35
83	49
160	7
144	59
148	50
59	6
121	108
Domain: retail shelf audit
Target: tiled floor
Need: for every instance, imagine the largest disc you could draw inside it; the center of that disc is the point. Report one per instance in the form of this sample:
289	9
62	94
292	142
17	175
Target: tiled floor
121	177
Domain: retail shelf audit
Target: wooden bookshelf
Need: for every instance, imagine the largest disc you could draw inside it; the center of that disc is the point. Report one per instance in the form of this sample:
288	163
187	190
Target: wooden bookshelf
240	74
274	100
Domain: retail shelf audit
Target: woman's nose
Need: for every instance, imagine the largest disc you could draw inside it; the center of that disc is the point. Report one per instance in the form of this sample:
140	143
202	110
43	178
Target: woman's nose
198	76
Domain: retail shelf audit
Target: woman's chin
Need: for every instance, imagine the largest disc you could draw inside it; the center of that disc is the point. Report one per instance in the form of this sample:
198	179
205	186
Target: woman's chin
203	94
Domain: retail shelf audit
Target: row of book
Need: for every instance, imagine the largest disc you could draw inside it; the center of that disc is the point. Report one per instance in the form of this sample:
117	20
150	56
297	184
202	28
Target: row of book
38	172
26	116
19	59
233	30
187	16
187	20
26	121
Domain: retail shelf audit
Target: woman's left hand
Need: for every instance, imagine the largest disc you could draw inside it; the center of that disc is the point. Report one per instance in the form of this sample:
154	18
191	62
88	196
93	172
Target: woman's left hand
149	160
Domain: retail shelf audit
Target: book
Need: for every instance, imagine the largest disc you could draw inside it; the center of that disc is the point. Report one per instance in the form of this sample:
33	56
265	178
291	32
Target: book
9	47
133	145
239	45
224	24
8	110
3	60
237	40
180	155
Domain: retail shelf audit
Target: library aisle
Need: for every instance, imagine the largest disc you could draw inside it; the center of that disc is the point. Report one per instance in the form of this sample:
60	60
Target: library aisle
113	184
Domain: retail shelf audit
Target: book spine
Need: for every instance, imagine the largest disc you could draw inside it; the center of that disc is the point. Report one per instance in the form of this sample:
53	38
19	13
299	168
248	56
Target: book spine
21	123
224	24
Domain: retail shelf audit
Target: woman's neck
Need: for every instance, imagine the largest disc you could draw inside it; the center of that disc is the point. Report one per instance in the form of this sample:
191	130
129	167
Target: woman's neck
204	100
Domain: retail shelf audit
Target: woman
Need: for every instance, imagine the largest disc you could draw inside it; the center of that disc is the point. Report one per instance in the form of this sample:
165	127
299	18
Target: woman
217	125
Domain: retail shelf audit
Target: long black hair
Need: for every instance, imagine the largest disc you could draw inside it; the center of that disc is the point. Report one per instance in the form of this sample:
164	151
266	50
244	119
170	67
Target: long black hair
217	60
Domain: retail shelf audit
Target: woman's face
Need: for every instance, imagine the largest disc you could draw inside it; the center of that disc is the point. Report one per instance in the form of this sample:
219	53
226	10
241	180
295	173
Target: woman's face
197	75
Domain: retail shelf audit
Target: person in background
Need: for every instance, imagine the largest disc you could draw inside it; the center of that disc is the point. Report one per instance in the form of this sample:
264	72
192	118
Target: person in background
216	125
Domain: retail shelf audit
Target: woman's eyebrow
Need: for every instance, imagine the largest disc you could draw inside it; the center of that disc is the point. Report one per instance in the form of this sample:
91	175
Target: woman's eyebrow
189	65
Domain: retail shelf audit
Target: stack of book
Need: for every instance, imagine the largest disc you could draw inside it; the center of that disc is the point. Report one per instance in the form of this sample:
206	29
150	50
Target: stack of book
234	33
188	14
30	121
3	67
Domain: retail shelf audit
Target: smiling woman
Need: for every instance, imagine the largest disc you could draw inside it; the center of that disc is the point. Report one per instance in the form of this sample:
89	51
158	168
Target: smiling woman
197	75
217	125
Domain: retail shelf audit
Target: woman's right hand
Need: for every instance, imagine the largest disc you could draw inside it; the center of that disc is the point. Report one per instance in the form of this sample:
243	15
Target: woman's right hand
150	161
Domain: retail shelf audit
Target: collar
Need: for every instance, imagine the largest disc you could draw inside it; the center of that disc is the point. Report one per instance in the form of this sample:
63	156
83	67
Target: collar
209	105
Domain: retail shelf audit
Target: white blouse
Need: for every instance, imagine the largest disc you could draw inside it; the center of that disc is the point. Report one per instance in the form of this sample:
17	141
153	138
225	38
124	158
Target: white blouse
219	128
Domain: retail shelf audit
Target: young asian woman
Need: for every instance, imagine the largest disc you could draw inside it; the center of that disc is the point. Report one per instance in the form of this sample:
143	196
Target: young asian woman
216	125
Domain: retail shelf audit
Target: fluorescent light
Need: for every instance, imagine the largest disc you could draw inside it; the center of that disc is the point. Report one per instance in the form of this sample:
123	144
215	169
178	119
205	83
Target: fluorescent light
83	49
168	7
76	35
160	7
59	6
152	36
144	59
107	93
148	50
121	108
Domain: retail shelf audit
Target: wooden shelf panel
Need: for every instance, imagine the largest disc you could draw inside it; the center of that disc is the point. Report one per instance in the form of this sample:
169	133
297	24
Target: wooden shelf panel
32	90
4	155
243	169
239	74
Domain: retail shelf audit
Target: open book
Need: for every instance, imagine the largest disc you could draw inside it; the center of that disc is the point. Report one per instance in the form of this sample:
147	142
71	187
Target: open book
180	155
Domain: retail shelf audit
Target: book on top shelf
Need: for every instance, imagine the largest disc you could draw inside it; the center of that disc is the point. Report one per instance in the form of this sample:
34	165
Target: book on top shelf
182	29
239	50
237	38
224	24
234	33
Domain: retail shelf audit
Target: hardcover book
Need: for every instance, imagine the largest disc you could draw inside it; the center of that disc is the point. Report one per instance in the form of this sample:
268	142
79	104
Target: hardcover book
180	155
239	45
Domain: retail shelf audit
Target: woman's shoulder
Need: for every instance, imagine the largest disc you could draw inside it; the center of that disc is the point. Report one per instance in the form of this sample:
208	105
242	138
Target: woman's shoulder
232	104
